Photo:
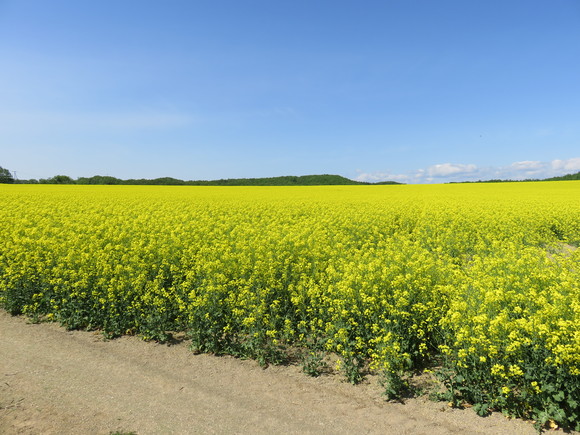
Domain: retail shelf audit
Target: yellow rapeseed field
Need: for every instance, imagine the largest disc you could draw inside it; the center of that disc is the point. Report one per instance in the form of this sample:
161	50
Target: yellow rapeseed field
478	282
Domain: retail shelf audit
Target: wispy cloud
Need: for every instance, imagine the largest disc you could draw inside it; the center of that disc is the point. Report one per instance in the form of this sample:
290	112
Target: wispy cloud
137	119
524	169
375	177
450	169
566	165
436	173
538	169
446	172
527	165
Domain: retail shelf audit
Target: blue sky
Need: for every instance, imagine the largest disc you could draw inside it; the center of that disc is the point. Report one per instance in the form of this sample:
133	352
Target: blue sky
418	91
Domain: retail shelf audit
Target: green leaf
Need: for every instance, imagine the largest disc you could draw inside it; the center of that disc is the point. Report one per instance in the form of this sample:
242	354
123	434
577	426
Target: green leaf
482	409
548	388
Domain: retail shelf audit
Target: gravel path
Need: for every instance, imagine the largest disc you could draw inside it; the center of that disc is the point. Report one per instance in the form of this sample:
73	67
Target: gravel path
54	381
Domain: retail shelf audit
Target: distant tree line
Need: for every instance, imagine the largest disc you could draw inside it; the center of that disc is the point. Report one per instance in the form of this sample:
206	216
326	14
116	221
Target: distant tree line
305	180
289	180
575	176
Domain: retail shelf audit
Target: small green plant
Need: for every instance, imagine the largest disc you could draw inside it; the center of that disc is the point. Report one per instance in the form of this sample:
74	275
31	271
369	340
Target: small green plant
313	363
394	385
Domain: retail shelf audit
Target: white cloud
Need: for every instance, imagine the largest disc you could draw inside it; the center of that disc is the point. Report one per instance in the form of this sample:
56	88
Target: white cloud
523	169
432	173
376	177
536	169
445	172
450	169
527	165
572	165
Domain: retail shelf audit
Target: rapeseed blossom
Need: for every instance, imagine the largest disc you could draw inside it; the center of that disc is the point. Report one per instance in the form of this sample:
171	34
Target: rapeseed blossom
482	279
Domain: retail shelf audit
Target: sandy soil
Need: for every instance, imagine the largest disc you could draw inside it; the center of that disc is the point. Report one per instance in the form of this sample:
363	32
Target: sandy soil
54	381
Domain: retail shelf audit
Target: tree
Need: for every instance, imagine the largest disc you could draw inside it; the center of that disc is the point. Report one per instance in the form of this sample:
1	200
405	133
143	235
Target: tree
6	176
99	179
59	179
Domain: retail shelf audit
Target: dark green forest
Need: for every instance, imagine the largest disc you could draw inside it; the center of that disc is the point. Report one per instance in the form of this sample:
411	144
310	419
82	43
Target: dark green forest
289	180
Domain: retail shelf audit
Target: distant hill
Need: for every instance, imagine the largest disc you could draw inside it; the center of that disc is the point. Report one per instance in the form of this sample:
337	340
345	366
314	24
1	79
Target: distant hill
575	176
288	180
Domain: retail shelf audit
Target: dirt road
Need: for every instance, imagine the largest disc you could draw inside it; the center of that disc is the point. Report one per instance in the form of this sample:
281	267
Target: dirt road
54	381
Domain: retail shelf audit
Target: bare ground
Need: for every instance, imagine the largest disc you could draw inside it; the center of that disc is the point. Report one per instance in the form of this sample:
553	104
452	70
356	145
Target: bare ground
54	381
